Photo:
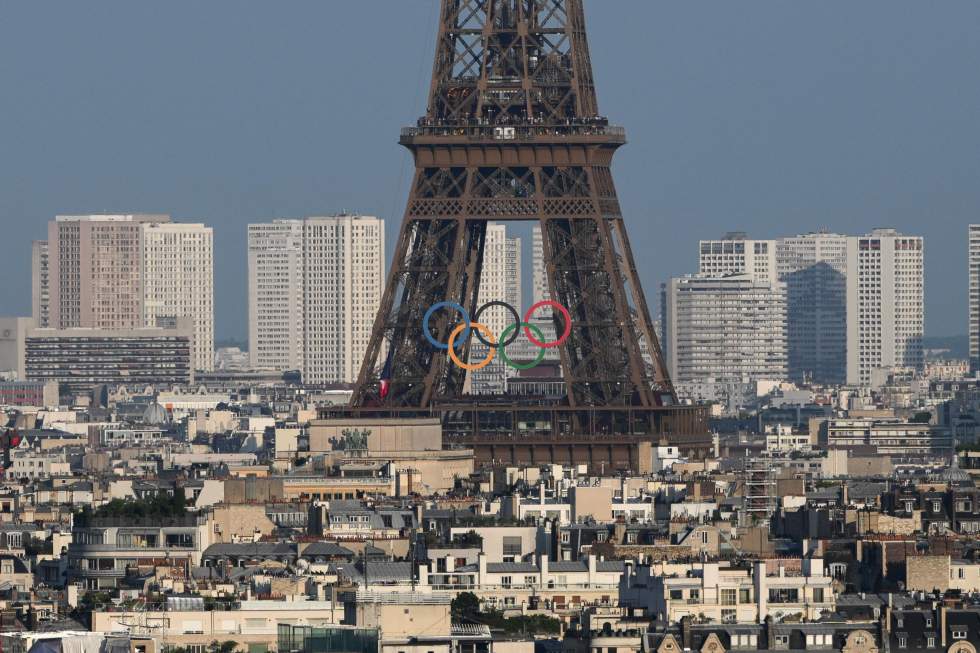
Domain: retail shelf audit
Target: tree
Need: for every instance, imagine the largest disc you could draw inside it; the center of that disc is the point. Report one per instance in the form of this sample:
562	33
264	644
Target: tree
466	605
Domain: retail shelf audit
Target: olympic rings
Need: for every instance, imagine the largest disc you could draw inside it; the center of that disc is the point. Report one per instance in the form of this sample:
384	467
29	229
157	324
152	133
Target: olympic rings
565	315
428	315
510	334
503	350
503	341
452	346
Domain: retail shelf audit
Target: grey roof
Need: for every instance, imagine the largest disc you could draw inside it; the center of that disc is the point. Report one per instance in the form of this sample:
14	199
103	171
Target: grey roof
251	549
326	549
610	565
504	567
377	572
568	566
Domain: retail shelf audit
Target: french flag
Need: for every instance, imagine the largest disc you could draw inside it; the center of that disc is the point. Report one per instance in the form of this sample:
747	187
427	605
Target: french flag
386	377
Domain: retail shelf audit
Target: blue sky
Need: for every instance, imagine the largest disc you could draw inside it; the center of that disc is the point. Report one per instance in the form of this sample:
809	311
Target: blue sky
767	116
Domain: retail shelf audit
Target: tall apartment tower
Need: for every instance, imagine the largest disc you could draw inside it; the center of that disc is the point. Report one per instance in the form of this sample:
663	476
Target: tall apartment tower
125	272
40	285
178	282
814	268
334	266
275	295
974	331
500	281
94	271
885	303
727	329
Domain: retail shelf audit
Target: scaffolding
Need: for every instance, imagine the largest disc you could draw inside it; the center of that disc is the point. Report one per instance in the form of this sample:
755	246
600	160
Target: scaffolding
758	490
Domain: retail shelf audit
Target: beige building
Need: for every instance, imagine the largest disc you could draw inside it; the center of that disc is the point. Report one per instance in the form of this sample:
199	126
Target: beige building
412	446
178	282
254	623
94	270
13	338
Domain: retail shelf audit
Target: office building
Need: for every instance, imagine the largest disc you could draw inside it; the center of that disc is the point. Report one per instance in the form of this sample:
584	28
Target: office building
885	303
338	278
40	289
500	281
728	329
894	437
178	282
974	274
81	359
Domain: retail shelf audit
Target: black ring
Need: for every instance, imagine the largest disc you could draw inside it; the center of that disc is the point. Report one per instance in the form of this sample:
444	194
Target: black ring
513	336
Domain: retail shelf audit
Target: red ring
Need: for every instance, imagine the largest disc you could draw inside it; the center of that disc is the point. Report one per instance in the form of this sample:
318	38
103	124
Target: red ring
565	314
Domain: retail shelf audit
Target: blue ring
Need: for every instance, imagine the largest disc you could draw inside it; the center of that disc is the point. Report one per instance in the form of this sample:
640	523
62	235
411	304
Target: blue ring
428	334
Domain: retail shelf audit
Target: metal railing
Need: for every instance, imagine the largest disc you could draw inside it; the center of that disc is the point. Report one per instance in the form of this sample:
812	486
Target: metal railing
516	132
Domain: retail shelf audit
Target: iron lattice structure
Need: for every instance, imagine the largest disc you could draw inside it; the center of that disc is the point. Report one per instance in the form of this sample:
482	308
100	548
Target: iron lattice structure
513	132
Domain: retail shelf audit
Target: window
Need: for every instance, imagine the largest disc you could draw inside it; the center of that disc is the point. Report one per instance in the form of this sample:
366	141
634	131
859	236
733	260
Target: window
745	595
505	581
728	616
902	641
676	594
959	634
818	595
930	642
512	546
727	596
782	641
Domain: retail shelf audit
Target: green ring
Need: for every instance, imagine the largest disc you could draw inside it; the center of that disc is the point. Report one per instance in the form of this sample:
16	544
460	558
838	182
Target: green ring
503	349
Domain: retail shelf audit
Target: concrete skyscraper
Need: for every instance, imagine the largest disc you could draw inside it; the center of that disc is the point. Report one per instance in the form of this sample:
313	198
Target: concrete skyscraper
178	282
727	329
40	285
500	281
275	295
314	290
127	272
94	271
814	268
885	303
974	273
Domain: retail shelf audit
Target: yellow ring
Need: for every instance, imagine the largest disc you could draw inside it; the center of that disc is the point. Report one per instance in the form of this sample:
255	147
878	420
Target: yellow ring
482	328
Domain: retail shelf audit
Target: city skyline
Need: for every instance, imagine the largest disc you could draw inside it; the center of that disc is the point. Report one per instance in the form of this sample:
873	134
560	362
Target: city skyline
781	159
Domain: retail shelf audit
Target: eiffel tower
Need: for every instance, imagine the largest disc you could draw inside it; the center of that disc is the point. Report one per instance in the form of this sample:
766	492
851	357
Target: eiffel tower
513	133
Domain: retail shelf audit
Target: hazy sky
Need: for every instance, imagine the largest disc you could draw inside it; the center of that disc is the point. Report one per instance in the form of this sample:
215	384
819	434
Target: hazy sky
767	116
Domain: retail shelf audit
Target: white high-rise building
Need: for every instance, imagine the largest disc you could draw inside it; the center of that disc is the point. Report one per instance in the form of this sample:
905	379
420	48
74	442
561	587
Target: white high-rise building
275	295
737	254
314	291
974	326
885	303
178	282
500	281
727	330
